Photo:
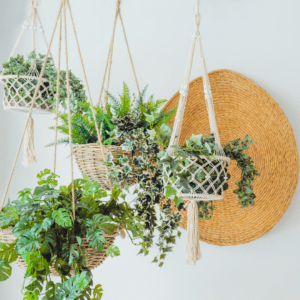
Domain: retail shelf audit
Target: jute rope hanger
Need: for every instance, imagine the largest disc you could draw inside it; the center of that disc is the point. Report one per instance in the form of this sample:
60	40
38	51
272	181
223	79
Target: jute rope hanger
193	252
61	16
110	54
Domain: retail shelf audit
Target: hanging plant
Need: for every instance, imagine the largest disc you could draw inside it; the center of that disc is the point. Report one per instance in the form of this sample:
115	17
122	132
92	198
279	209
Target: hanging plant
194	167
52	242
19	88
121	116
149	194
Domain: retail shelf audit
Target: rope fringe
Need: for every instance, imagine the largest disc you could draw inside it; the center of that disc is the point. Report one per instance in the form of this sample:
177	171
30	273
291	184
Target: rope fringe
29	152
192	250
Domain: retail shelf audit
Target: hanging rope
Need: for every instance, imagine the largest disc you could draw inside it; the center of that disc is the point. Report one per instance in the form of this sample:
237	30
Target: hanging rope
109	58
57	95
88	89
32	104
193	252
69	110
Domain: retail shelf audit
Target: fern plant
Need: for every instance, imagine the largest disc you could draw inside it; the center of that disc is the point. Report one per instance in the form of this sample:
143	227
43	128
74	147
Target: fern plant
123	114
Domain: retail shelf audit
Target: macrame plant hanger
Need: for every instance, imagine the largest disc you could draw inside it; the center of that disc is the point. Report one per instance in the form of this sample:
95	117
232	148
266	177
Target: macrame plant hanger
17	101
193	252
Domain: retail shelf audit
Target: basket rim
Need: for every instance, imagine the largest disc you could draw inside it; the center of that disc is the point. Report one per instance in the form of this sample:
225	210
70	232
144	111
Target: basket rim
22	76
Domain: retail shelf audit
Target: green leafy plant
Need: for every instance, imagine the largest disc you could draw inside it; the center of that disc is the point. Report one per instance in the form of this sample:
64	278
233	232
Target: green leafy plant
179	171
126	113
149	194
47	235
19	66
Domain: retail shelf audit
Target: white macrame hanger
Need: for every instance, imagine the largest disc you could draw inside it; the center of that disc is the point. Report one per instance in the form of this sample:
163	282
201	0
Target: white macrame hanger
33	18
193	253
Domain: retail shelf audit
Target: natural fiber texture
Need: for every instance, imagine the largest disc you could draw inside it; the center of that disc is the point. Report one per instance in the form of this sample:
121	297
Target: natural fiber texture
19	91
242	107
95	258
29	152
192	250
90	160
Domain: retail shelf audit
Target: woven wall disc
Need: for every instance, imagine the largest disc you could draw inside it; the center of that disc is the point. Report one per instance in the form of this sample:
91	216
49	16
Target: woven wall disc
242	107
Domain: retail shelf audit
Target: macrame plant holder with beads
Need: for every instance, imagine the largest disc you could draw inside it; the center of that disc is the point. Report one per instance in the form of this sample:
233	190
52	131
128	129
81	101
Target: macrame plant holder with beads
90	157
208	188
95	258
19	90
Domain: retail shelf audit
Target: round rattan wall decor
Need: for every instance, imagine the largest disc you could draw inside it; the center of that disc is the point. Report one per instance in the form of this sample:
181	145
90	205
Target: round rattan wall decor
242	107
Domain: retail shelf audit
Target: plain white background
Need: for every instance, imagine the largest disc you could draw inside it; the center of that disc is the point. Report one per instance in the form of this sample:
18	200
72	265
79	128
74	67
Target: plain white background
259	39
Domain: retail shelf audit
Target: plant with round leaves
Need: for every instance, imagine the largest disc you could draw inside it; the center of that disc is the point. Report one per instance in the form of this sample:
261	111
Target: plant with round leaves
47	235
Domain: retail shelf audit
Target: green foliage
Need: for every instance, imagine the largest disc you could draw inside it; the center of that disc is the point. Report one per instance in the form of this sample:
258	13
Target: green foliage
47	235
202	149
145	167
5	270
19	66
236	151
124	114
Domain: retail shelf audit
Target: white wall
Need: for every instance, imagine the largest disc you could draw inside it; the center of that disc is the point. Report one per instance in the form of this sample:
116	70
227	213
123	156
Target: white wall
259	39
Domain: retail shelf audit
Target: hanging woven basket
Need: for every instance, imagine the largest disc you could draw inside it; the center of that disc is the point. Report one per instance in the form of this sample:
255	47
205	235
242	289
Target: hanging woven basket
95	258
90	159
207	178
19	92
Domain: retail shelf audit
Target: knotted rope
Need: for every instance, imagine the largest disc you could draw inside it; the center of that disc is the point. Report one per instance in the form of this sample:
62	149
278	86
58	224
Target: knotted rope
193	252
110	54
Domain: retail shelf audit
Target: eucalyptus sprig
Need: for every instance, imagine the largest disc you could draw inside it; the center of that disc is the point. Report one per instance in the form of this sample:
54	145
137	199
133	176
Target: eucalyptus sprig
19	66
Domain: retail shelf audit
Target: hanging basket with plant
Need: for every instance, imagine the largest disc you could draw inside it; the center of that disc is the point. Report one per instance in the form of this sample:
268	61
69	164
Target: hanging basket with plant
21	83
91	149
197	171
64	231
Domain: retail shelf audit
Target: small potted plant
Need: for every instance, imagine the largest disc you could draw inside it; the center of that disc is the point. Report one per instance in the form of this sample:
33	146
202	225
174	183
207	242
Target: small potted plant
40	234
20	78
121	117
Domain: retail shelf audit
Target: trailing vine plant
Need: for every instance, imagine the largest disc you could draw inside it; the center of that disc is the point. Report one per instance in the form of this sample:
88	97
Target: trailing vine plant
203	149
48	237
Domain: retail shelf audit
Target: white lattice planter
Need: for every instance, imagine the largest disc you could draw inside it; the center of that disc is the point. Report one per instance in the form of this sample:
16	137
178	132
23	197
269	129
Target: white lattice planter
206	180
19	92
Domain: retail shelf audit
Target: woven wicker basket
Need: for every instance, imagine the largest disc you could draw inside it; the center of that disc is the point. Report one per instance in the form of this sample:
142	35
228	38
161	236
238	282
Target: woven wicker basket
242	107
95	258
205	185
90	162
19	92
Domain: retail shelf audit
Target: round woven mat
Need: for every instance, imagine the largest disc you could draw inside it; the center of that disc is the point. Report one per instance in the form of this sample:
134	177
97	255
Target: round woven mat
242	107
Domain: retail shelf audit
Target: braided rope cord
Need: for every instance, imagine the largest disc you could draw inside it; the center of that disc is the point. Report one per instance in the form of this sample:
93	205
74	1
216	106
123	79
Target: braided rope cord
185	87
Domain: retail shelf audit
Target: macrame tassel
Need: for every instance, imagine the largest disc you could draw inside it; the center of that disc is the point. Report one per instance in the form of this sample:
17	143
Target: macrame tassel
122	233
192	250
29	153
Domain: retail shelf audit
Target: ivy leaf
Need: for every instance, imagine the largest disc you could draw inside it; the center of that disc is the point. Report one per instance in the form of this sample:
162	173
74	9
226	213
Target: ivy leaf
8	253
113	251
5	270
178	201
170	192
45	225
74	253
27	243
62	217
